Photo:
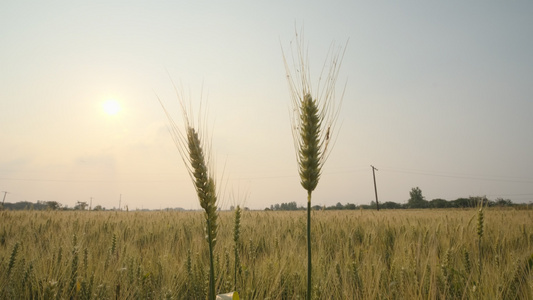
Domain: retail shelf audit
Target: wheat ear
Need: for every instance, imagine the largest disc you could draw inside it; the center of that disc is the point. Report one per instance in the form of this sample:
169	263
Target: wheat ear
314	113
203	183
309	152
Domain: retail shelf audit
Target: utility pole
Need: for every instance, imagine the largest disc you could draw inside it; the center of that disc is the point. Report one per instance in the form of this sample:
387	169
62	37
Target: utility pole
5	193
91	204
119	201
375	187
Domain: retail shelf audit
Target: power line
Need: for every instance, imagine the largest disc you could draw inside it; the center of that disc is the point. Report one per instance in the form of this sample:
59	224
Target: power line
84	180
511	195
459	176
259	177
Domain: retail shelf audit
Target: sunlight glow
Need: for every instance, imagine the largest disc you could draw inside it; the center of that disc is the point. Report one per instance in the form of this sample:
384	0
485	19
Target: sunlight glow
111	107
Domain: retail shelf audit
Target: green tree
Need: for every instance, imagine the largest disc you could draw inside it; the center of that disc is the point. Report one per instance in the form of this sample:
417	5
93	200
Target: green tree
81	205
391	205
350	206
503	202
53	205
461	202
416	200
438	203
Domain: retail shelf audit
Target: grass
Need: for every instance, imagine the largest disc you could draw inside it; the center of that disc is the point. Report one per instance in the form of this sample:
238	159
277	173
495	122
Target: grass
409	254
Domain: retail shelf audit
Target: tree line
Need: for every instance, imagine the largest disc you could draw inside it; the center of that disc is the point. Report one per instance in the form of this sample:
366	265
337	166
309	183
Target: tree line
47	205
416	200
80	205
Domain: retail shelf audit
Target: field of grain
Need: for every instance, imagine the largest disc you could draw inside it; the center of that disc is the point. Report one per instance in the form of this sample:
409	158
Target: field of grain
397	254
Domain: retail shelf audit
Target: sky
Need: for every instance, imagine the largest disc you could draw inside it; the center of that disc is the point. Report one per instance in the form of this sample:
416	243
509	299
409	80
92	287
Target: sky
437	95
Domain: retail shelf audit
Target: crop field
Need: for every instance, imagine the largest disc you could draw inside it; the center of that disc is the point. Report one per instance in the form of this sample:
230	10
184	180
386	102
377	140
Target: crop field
395	254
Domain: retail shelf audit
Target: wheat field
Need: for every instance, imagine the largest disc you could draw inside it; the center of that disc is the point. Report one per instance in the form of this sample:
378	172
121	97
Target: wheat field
394	254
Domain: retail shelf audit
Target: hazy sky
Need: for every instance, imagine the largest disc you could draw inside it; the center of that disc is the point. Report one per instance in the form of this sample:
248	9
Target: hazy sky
439	95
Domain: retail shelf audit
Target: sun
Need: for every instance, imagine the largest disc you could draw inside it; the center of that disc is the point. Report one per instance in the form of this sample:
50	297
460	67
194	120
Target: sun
111	107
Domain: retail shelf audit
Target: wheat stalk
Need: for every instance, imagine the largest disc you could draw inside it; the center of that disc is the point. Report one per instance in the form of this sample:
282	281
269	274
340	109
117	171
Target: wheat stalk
236	241
314	118
480	224
195	153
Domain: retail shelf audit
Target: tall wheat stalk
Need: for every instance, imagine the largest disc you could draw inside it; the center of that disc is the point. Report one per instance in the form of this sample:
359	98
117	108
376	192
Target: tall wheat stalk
480	224
236	241
195	152
314	115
